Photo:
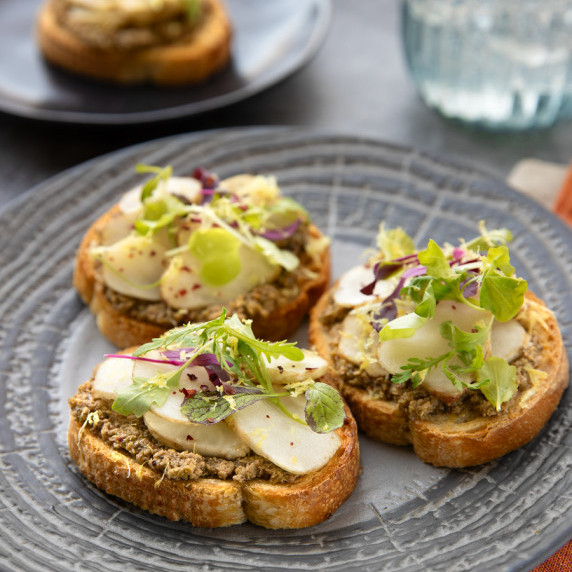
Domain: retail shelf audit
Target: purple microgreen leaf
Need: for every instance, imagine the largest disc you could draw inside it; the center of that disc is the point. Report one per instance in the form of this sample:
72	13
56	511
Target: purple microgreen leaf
207	179
415	271
469	287
138	358
458	254
406	259
281	233
380	272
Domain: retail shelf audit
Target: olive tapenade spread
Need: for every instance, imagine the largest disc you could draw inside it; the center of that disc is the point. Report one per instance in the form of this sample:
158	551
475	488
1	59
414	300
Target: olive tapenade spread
130	436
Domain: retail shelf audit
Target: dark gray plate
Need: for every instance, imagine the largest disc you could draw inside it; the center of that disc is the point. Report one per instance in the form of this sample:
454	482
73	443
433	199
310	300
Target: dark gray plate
403	515
271	40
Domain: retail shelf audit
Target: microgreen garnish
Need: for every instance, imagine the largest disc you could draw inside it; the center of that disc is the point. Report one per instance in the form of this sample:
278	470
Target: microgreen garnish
158	213
223	230
465	276
226	347
161	175
217	250
416	369
227	221
477	274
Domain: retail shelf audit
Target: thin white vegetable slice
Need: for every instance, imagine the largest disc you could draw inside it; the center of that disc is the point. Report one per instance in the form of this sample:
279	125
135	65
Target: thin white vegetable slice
282	370
347	292
216	440
182	287
282	440
507	339
132	265
112	375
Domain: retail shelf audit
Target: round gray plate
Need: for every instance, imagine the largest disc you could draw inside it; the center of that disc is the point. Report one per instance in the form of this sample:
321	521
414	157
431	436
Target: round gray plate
271	40
506	515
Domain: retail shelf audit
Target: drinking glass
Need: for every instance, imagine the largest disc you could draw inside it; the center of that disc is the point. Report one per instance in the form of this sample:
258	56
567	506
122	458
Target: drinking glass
497	64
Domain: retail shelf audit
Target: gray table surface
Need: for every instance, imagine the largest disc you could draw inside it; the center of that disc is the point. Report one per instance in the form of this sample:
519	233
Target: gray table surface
357	83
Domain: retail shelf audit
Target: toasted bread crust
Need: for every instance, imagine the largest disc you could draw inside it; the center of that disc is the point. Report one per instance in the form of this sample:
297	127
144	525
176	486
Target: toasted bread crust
216	502
443	440
206	52
123	330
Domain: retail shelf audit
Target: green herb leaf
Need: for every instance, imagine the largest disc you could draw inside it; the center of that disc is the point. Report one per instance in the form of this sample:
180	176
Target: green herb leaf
422	293
138	397
324	408
161	174
503	296
418	368
498	381
193	9
159	213
465	341
275	255
402	327
498	257
434	259
254	363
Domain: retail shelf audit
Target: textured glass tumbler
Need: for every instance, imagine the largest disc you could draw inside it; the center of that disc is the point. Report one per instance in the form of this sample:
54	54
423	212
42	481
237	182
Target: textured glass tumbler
497	64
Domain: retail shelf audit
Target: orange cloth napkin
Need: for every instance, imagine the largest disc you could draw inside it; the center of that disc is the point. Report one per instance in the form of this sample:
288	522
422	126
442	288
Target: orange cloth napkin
563	204
561	561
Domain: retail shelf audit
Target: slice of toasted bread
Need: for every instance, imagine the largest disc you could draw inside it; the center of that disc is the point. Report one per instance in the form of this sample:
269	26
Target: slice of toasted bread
190	60
215	502
443	439
124	330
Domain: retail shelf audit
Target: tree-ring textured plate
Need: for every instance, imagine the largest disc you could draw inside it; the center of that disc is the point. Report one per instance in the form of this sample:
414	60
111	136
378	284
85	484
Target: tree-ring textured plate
270	41
404	515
